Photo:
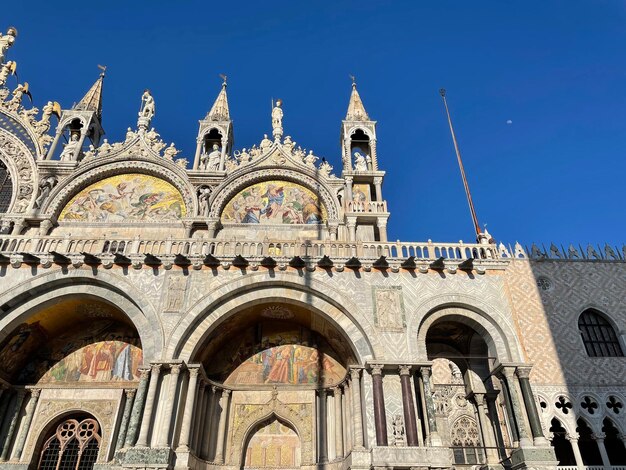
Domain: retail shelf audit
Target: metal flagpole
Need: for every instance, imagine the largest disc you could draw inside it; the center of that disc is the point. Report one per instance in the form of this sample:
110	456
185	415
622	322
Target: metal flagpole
442	92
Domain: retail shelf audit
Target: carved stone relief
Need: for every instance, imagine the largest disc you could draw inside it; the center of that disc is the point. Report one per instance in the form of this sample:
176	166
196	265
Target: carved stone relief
389	307
21	166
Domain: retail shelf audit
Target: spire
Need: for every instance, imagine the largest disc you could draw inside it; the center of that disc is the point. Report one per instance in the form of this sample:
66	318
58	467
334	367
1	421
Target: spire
92	101
219	111
356	110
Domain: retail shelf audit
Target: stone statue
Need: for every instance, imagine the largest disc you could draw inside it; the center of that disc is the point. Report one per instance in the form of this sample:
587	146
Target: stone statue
104	148
592	253
288	144
243	156
18	94
6	70
181	162
325	168
310	159
6	41
130	135
265	143
204	193
554	251
360	164
45	186
399	439
148	108
213	158
277	120
70	151
171	152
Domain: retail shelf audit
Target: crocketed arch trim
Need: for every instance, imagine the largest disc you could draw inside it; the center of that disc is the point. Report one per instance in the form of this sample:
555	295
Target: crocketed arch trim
230	189
64	191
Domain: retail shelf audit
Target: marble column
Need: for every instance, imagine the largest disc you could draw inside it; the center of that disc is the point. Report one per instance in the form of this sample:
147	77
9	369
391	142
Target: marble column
573	440
221	428
381	223
522	432
322	427
380	419
338	423
599	438
347	415
357	435
4	404
19	400
378	181
433	435
164	436
146	421
523	375
410	421
128	406
484	421
351	223
198	419
508	412
28	419
209	407
135	415
188	412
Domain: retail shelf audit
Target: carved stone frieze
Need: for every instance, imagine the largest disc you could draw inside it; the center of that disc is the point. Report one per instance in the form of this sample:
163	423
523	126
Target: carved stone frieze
21	166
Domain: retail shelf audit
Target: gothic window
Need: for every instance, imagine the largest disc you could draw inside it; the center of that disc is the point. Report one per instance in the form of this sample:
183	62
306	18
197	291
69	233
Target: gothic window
73	446
466	442
6	188
598	335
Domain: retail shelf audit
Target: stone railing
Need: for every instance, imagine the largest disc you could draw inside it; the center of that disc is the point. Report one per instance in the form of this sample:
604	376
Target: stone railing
368	207
423	256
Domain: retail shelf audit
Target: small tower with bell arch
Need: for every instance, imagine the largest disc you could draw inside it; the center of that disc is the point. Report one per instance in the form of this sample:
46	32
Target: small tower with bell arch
79	126
215	134
364	206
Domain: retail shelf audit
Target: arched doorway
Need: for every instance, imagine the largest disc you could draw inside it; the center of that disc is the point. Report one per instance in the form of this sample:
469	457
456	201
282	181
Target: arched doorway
272	444
465	394
73	444
59	350
270	359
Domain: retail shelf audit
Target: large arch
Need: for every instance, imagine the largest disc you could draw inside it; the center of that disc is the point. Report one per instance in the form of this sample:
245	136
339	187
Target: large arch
22	300
23	173
209	312
496	329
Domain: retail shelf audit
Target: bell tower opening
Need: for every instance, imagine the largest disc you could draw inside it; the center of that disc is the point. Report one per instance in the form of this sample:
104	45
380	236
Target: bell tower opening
360	143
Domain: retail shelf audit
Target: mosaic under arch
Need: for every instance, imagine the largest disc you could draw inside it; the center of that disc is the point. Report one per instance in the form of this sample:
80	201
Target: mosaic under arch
273	446
127	197
275	202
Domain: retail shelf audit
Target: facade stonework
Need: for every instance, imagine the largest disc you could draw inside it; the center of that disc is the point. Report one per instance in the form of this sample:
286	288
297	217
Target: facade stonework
243	308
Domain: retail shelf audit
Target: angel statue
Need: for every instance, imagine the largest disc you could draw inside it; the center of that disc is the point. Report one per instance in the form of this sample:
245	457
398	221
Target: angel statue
6	41
6	70
148	109
277	120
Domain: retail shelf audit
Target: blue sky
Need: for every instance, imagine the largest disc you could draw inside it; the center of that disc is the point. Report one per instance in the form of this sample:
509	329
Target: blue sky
555	69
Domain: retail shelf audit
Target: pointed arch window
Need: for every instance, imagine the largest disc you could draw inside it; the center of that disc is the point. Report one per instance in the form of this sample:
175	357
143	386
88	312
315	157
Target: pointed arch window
598	335
73	446
466	444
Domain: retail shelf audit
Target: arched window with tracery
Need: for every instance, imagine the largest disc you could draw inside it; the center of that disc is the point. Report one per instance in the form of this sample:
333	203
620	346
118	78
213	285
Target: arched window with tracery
466	443
74	445
598	335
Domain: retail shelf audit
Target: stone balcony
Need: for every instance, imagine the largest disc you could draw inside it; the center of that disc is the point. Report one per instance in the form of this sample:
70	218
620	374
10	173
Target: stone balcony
366	207
424	256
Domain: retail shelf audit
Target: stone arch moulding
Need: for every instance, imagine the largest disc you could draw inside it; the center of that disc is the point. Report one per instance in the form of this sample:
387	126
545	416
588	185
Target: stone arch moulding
300	422
22	170
229	189
96	171
108	288
362	127
209	312
49	413
492	325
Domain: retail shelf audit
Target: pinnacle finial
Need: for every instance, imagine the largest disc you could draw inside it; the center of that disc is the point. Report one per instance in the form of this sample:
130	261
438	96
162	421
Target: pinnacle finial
224	80
103	68
356	110
219	111
353	78
92	101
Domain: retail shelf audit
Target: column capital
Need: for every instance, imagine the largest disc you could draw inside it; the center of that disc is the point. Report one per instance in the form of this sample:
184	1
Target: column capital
336	390
598	436
404	369
572	437
348	179
175	369
381	221
351	221
355	374
425	372
523	372
35	392
226	392
378	180
155	369
144	374
130	392
377	369
193	372
214	389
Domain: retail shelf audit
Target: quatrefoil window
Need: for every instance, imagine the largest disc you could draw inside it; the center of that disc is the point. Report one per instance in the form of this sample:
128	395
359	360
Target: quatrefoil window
589	404
563	404
614	404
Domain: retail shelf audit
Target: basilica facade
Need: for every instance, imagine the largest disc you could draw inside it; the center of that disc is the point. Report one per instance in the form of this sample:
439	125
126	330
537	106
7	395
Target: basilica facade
244	309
